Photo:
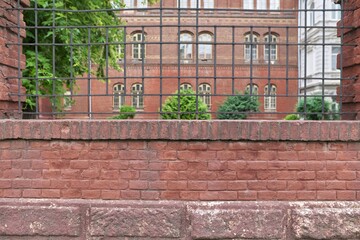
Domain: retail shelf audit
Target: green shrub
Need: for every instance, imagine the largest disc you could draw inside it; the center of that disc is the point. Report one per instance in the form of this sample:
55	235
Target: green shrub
187	109
236	107
316	109
292	117
126	112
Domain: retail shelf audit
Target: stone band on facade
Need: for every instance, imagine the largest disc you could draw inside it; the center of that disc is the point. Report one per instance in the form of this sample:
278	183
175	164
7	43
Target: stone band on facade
78	219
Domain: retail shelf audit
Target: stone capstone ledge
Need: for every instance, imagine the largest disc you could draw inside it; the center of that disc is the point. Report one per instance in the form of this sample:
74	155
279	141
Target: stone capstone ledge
180	130
96	219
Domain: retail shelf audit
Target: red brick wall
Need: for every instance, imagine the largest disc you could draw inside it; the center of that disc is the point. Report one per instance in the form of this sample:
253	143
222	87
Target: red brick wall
351	60
180	160
9	58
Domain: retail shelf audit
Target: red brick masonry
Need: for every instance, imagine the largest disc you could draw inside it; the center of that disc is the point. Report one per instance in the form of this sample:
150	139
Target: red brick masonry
222	180
179	160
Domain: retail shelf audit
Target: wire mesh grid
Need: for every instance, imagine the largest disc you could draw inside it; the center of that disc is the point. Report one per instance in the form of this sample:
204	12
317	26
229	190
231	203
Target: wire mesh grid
181	59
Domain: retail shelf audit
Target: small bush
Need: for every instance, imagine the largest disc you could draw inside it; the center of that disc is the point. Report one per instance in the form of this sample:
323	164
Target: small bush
316	109
236	107
126	112
292	117
187	105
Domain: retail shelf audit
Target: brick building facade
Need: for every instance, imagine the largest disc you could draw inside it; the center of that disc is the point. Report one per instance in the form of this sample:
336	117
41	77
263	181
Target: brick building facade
208	50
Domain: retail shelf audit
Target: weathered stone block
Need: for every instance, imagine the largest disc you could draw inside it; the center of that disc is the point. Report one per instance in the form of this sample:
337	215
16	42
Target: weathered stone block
326	223
41	221
136	222
237	224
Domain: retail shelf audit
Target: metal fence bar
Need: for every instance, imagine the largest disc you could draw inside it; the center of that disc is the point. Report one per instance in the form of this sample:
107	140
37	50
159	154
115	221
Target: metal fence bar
226	74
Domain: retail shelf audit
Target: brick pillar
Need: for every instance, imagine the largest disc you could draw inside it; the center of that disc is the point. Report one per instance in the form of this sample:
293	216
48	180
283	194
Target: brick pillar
9	60
351	60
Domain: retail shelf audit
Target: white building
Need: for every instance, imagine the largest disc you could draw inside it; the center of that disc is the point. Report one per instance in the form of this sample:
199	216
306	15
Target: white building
318	40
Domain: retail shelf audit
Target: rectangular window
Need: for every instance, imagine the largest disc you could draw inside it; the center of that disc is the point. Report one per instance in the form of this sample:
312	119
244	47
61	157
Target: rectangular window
142	3
336	13
195	4
208	3
182	3
248	4
334	53
275	4
261	4
129	3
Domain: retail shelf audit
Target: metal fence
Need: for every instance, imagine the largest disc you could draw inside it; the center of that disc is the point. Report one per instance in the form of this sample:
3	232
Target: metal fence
259	59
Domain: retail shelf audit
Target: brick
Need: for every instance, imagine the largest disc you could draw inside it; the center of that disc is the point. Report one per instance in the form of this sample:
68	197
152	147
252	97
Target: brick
354	185
177	166
20	183
50	193
247	195
31	174
346	175
346	195
347	155
226	155
79	164
110	194
217	185
12	193
286	195
208	196
130	194
31	193
276	185
306	195
177	185
189	195
267	195
257	185
70	193
306	175
150	195
91	194
138	185
170	195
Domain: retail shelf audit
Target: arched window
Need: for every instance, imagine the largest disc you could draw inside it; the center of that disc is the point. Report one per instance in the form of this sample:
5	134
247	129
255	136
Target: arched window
270	98
205	93
205	46
138	46
254	90
270	47
251	45
186	49
119	96
137	98
185	86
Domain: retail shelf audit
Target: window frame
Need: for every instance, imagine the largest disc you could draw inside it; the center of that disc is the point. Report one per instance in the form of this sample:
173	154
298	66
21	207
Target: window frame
204	92
334	57
248	4
185	86
270	103
139	45
251	47
186	45
261	4
255	89
137	100
205	45
271	47
120	94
